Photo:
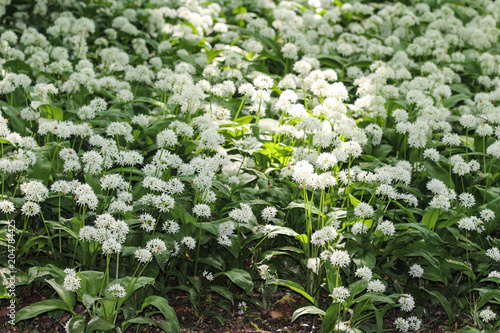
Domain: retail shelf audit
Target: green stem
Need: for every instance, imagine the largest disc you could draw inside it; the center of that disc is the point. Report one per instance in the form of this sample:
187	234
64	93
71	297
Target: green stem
198	250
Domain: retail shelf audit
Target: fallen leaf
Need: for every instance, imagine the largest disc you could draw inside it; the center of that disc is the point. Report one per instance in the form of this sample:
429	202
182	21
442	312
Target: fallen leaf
276	314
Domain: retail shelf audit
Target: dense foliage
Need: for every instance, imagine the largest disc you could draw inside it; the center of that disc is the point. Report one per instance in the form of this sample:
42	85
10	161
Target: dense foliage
345	152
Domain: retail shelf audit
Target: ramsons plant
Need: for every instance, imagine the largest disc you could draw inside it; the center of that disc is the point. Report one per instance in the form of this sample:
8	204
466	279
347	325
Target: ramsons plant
344	151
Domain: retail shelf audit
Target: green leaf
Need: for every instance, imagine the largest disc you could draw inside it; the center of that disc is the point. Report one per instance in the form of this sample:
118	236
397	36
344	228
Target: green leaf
58	225
76	325
295	287
304	241
91	282
431	217
436	171
277	230
311	309
97	323
224	292
464	268
357	287
381	151
354	201
420	249
453	100
444	303
38	308
330	319
66	296
11	114
51	112
140	320
141	282
88	300
172	324
300	204
468	329
488	296
40	170
240	278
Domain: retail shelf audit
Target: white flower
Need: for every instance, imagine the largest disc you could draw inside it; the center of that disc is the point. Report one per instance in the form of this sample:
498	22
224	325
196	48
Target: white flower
493	253
494	149
407	302
30	208
487	215
208	275
416	271
470	224
202	210
269	213
495	274
242	306
340	258
34	191
340	294
402	325
364	273
323	236
359	228
143	255
487	315
467	200
363	210
71	281
171	227
156	246
376	286
148	222
115	290
111	246
6	207
387	228
432	154
189	242
414	323
243	214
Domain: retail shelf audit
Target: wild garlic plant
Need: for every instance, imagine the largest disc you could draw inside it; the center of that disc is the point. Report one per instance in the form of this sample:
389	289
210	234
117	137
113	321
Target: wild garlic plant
346	151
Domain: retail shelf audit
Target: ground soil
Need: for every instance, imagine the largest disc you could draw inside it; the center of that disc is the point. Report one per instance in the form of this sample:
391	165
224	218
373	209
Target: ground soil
277	318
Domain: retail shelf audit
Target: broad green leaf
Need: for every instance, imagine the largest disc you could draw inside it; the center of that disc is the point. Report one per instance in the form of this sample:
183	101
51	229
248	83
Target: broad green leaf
354	201
464	268
99	324
38	308
141	282
300	204
468	329
357	287
431	217
304	241
88	300
436	171
295	287
167	311
453	100
310	309
140	320
444	303
330	319
91	282
224	292
66	296
76	325
487	296
240	278
51	112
